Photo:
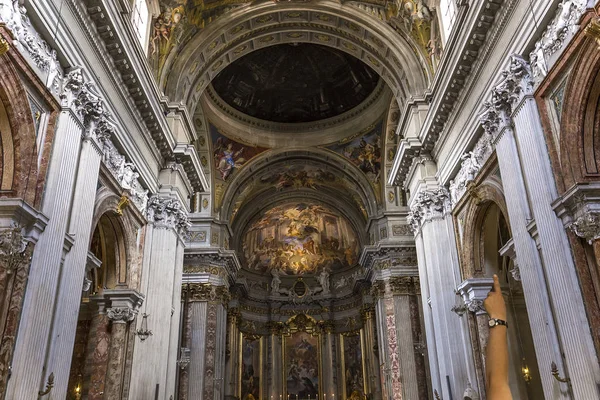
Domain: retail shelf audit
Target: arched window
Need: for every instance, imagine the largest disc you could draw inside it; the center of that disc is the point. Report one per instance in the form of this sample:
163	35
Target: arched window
448	16
140	20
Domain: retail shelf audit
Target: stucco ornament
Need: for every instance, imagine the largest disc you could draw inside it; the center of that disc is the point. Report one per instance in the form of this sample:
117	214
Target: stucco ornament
81	96
587	226
517	82
120	314
564	24
429	205
167	213
30	43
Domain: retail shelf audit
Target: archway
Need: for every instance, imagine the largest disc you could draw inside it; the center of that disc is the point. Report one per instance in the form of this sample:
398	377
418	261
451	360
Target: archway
106	269
492	244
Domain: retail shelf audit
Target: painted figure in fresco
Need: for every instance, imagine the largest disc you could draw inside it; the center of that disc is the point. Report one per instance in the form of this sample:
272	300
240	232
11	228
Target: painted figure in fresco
227	159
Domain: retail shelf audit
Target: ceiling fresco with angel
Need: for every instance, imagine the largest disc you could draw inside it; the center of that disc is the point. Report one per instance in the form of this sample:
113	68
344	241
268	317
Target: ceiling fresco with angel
364	151
178	21
297	238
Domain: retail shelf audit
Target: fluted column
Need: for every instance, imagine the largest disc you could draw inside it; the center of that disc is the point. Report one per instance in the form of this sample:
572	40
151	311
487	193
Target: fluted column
430	217
497	123
329	386
163	256
572	324
36	319
71	279
207	346
430	327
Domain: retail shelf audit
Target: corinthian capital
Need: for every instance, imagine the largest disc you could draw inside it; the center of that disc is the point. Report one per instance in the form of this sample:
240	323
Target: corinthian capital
428	205
120	314
167	213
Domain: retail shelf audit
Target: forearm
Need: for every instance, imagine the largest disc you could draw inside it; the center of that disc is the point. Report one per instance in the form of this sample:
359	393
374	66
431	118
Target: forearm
497	359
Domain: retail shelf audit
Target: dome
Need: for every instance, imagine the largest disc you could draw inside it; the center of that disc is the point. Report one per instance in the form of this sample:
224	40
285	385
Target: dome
293	83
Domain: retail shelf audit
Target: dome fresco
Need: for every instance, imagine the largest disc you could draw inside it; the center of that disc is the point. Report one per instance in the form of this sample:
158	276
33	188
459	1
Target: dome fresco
290	83
297	239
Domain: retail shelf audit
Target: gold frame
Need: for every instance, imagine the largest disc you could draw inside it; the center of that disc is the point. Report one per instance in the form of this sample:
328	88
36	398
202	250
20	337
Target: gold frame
362	359
285	338
260	360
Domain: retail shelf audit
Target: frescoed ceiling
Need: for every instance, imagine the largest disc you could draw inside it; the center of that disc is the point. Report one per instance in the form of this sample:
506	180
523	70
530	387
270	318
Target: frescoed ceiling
296	238
298	82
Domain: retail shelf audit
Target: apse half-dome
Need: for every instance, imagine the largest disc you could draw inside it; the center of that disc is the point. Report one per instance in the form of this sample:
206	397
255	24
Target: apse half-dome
299	239
294	83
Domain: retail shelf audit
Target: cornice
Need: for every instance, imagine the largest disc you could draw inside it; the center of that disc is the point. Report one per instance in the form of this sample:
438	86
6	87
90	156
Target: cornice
117	46
370	109
457	71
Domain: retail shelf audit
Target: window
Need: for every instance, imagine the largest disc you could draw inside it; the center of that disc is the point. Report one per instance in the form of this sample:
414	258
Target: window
140	20
448	13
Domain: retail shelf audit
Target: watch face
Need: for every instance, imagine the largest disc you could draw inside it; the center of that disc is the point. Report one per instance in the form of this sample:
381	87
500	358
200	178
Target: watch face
492	323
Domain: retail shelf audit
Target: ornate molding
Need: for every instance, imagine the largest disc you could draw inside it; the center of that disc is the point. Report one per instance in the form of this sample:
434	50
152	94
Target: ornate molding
167	213
31	45
429	205
121	314
206	292
404	285
587	226
562	27
81	96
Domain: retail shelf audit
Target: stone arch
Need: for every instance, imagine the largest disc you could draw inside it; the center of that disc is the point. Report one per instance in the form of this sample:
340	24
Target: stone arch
316	156
480	200
124	231
398	62
580	125
20	174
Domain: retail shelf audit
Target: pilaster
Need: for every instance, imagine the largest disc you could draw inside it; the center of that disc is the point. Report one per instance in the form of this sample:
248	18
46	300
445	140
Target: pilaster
29	373
208	312
439	266
154	359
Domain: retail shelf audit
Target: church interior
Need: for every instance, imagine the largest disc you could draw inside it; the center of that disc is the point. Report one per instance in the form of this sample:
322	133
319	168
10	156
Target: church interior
298	199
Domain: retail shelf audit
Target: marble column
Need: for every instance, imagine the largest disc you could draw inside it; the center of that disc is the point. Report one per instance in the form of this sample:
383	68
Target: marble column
581	362
431	219
73	271
207	346
28	372
231	354
371	360
152	371
402	380
329	386
275	363
123	310
96	361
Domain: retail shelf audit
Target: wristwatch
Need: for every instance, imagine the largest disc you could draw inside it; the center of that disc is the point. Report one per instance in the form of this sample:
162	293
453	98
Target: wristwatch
495	322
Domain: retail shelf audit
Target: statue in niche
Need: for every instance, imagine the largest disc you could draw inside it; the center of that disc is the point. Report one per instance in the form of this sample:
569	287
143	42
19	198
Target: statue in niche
324	280
276	283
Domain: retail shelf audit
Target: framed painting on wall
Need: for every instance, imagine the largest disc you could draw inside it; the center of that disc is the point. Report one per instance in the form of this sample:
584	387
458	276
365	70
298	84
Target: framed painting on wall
302	366
353	368
250	374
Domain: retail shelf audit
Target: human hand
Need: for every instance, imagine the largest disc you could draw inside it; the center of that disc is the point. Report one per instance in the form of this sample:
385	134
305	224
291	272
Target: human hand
494	303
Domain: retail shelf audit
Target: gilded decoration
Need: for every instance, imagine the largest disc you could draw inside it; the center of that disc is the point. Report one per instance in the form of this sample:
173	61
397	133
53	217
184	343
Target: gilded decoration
204	269
206	292
295	238
404	285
